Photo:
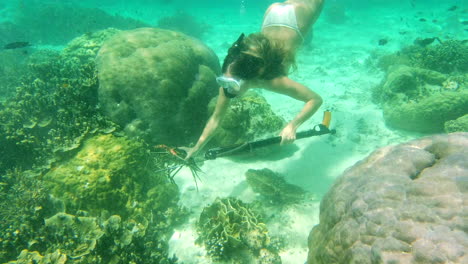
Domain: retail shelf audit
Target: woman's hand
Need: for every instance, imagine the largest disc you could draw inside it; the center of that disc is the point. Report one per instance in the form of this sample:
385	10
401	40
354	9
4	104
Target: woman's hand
190	152
288	134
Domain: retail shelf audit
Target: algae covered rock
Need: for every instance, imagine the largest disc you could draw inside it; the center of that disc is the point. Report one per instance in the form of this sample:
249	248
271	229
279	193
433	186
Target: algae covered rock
402	204
249	117
157	84
408	83
231	231
421	100
273	187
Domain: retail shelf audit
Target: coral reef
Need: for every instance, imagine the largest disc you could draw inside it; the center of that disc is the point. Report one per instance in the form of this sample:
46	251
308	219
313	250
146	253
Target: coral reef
249	117
451	56
402	204
183	22
109	206
90	196
458	125
273	188
231	231
56	103
24	203
157	83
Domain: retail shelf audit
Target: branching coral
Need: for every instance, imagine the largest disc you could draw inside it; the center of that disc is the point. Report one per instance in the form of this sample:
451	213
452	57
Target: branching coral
231	230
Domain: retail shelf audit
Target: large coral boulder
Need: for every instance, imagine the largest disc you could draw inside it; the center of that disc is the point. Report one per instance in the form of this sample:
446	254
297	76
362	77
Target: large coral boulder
157	83
402	204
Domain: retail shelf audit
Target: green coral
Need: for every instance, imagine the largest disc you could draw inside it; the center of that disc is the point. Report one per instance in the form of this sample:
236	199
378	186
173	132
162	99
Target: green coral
231	231
248	117
458	125
273	188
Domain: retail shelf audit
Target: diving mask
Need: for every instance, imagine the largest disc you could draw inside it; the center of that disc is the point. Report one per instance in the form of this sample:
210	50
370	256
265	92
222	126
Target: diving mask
231	86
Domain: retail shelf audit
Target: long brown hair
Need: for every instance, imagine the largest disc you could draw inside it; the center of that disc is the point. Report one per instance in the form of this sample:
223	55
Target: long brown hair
257	51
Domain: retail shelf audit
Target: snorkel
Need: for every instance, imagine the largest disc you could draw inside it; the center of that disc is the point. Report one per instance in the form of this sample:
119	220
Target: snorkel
231	86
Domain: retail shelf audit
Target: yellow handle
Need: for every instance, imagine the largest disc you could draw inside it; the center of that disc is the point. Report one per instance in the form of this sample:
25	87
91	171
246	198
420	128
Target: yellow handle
326	119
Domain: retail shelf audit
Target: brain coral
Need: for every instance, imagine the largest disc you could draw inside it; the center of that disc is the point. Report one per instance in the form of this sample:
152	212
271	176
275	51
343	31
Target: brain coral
402	204
157	83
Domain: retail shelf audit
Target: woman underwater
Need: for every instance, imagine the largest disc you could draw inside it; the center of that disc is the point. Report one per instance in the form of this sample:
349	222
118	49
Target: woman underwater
264	60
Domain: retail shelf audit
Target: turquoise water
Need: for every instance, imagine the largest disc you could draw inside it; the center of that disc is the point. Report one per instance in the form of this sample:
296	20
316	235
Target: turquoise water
83	175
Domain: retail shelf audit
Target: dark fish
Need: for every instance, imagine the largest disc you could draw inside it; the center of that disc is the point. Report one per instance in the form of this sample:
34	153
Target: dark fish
434	21
383	42
464	22
422	20
426	41
17	45
452	8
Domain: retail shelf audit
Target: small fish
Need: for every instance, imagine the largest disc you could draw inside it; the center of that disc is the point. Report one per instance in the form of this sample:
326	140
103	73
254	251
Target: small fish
16	45
464	22
383	42
422	20
426	41
452	8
